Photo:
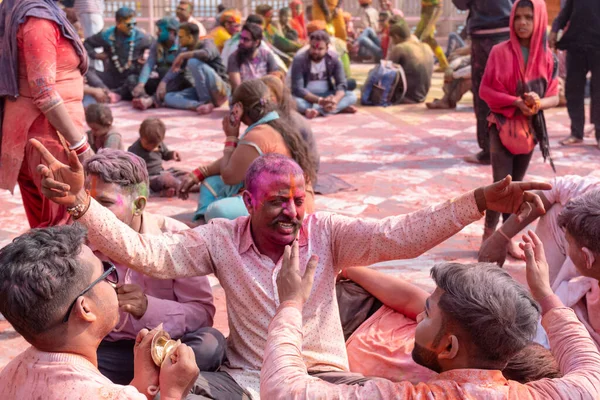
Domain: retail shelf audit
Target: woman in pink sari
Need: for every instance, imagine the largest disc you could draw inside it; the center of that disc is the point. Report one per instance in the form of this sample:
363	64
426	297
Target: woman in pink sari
297	22
41	90
520	81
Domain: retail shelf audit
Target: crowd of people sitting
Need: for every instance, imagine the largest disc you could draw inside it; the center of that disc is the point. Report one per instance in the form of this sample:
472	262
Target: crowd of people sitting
98	280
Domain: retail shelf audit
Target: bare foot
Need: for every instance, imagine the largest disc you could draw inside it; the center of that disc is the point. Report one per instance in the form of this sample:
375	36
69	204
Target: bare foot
143	103
311	113
349	110
114	97
205	109
514	250
439	104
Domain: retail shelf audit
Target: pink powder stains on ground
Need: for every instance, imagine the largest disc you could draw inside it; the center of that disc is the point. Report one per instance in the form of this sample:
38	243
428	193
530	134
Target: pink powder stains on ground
398	158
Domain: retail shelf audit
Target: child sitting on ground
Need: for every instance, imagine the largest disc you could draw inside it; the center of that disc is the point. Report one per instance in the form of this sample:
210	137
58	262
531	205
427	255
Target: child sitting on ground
101	134
151	148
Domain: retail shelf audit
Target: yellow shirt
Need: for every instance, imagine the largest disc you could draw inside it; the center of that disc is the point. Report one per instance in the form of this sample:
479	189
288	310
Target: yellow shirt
220	35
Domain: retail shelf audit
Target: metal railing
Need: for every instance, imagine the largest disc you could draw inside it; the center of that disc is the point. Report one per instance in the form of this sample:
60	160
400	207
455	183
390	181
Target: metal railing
149	11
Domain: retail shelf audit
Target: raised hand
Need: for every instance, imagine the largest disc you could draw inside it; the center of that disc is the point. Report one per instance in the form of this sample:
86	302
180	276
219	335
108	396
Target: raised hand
132	299
61	183
506	196
538	274
290	284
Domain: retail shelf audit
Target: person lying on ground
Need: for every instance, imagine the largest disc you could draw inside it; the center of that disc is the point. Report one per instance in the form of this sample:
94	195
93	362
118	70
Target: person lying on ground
476	319
382	344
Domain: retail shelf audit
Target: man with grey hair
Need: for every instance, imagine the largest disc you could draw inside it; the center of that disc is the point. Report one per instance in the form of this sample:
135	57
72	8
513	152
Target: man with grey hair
476	319
118	180
245	254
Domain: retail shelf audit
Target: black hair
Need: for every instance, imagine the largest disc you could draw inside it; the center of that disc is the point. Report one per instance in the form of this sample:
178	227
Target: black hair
124	13
40	275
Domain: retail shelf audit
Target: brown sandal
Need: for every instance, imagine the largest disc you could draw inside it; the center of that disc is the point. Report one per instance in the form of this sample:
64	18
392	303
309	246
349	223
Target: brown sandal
571	140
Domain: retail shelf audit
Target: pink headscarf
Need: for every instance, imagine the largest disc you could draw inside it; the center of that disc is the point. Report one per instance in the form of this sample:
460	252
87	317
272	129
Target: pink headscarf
506	77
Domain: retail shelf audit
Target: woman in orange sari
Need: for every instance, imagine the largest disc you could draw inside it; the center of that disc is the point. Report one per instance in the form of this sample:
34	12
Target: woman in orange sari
41	90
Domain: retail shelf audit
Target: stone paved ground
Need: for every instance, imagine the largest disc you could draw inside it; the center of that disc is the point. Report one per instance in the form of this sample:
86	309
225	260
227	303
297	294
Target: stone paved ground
399	159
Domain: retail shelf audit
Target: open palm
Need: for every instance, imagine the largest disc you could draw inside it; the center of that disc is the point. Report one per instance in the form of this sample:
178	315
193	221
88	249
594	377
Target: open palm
60	182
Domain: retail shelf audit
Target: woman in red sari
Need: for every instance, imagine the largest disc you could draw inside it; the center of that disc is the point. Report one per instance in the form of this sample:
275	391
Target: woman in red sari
520	81
41	90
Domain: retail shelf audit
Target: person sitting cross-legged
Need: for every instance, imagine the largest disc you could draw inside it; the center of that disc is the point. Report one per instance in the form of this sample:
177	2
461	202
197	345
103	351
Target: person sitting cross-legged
61	298
477	318
123	47
119	181
246	253
200	60
318	81
151	87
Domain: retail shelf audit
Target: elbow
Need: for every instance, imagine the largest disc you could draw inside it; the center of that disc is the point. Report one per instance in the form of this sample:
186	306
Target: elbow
229	177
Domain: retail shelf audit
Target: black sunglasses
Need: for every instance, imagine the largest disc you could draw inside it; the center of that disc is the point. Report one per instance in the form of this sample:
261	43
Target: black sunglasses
110	275
131	24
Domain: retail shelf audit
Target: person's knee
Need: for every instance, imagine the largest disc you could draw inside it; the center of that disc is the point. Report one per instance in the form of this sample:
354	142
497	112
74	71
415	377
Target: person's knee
208	345
197	65
230	208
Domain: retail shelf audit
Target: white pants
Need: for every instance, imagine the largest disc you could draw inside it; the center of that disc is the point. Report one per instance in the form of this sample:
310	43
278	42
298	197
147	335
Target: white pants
92	23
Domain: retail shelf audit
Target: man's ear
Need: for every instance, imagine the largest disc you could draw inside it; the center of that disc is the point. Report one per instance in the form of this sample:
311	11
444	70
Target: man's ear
248	200
451	348
83	309
139	204
590	258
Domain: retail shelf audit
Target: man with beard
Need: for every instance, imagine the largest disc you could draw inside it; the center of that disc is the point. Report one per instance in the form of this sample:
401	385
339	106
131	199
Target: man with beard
477	318
250	60
162	55
318	81
123	48
245	254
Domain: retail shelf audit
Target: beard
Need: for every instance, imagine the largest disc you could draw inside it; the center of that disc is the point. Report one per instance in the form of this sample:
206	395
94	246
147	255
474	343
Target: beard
426	358
245	53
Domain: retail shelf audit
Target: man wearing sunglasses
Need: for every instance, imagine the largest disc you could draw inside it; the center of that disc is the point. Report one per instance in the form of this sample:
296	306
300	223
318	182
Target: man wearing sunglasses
123	48
61	298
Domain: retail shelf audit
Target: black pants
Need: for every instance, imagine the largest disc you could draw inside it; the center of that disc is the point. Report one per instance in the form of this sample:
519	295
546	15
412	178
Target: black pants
579	63
115	359
504	163
481	46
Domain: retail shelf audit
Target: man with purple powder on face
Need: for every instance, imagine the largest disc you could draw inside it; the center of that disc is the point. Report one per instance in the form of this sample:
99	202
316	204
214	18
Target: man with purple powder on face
245	254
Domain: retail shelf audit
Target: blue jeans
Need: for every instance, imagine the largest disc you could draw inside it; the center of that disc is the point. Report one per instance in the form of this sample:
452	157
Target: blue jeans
370	44
348	100
208	88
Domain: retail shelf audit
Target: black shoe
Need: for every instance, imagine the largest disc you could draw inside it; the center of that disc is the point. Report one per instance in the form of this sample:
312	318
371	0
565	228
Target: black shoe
481	158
